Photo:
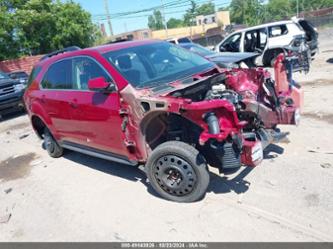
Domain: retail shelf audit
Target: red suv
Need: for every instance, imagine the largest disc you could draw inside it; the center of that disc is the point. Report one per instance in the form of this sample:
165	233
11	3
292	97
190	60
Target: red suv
155	104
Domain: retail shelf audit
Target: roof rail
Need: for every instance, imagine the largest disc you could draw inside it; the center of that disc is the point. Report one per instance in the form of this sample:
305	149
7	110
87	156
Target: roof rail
117	41
68	49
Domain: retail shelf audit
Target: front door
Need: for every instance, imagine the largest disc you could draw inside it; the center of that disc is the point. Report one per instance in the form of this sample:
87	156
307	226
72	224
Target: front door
95	115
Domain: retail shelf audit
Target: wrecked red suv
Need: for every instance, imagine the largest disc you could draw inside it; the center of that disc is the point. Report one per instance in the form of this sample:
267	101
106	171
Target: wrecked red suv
155	104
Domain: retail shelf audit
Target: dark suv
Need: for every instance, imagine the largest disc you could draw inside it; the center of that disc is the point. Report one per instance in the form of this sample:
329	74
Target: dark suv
156	104
11	93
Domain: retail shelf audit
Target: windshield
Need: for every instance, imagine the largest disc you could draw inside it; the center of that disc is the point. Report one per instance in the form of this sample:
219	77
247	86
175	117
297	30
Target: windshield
198	49
156	63
3	76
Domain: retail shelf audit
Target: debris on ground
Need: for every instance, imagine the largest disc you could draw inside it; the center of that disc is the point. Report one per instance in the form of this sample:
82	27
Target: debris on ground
36	162
5	218
317	151
23	136
326	165
8	190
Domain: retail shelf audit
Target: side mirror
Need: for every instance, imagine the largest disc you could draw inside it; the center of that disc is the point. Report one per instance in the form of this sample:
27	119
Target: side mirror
222	48
100	84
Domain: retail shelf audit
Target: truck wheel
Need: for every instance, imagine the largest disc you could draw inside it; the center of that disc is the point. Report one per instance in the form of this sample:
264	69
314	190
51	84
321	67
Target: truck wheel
51	145
178	172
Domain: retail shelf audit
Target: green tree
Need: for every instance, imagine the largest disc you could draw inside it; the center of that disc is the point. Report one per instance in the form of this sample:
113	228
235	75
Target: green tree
40	26
309	5
226	8
155	21
175	23
189	17
206	9
278	10
249	12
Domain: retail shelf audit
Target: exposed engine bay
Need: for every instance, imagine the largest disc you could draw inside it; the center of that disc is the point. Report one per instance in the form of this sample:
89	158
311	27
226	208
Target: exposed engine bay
259	102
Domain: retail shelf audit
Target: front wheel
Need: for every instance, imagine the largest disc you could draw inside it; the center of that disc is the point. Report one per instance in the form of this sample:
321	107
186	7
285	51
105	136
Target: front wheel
178	172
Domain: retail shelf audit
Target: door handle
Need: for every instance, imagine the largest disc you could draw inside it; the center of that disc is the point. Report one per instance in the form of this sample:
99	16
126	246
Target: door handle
73	103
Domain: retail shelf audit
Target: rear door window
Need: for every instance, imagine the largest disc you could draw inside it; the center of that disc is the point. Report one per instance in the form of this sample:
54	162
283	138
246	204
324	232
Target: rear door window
58	76
255	40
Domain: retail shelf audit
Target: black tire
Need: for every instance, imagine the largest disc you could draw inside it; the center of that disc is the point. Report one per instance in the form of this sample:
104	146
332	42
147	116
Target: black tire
270	57
178	172
273	61
51	145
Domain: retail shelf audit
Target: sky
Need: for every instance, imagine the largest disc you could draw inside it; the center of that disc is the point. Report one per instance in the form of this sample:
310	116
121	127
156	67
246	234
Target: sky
122	24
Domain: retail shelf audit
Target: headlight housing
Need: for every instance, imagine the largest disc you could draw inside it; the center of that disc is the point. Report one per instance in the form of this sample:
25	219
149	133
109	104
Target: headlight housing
19	87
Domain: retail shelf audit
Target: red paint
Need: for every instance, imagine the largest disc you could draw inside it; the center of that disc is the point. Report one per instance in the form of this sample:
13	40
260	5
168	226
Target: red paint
98	84
108	122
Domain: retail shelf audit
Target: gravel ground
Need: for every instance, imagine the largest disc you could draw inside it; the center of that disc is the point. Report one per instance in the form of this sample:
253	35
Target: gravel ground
81	198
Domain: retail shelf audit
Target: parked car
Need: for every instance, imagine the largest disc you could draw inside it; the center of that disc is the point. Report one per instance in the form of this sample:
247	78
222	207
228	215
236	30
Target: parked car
179	40
11	93
271	39
155	104
225	59
20	76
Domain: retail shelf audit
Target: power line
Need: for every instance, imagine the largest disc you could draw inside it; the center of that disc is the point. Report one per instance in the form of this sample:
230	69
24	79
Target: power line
129	16
169	5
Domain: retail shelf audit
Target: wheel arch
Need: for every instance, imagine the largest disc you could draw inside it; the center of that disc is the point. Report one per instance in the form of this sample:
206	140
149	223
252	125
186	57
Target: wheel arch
38	125
155	125
270	54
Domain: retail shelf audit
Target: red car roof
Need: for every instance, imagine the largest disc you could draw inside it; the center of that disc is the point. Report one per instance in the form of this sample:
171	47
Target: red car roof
122	45
101	49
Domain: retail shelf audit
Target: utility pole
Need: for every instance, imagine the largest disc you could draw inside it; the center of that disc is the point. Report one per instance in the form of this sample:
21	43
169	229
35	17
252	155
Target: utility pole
297	6
108	17
163	16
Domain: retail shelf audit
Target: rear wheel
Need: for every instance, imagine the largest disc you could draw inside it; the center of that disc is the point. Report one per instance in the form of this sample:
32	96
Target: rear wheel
178	172
51	145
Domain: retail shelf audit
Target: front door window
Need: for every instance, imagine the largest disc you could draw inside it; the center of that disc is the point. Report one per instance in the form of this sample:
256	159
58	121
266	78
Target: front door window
232	44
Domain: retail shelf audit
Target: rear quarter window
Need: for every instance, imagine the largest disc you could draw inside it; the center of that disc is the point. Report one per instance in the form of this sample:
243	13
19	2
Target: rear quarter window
277	30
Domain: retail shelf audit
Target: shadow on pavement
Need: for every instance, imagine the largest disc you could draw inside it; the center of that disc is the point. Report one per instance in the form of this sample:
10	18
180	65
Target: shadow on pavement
11	115
131	173
218	184
237	184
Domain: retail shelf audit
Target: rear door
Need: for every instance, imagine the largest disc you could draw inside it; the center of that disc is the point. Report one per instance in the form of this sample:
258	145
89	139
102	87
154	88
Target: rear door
54	94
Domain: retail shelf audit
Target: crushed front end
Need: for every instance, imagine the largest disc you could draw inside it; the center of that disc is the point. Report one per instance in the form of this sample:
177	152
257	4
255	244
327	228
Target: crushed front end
229	116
